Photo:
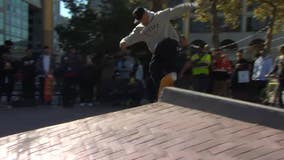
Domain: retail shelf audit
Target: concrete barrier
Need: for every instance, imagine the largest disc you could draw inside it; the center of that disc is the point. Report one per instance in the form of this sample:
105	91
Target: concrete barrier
236	109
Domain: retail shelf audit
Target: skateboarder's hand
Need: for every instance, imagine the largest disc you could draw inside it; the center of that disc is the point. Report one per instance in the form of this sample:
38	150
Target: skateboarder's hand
123	46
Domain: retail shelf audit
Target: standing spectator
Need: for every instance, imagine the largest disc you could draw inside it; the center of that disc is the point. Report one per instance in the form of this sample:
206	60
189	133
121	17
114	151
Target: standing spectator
222	69
278	71
185	77
6	47
201	64
184	55
135	87
99	62
262	66
87	82
45	64
7	76
156	30
28	64
70	66
241	78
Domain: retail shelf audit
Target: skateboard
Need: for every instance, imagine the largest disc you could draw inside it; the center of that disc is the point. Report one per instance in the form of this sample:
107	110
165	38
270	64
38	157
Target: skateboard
167	81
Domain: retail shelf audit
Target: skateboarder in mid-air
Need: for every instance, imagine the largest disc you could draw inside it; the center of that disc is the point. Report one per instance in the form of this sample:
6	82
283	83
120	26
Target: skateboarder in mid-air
156	30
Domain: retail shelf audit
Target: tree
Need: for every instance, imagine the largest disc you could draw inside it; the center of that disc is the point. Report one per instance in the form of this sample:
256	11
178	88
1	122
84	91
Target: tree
81	28
208	11
90	32
273	13
156	4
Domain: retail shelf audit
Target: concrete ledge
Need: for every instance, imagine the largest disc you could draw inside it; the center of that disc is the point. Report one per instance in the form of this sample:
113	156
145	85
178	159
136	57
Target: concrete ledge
236	109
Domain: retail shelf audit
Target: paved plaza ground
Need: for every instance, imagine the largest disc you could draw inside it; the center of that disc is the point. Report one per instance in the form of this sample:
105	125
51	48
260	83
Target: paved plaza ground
22	119
155	131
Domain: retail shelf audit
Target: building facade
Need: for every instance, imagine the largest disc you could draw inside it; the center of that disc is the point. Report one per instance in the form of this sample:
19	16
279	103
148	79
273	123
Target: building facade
23	22
249	32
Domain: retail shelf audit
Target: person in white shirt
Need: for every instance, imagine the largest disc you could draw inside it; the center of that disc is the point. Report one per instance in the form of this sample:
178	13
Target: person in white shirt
156	30
262	66
45	65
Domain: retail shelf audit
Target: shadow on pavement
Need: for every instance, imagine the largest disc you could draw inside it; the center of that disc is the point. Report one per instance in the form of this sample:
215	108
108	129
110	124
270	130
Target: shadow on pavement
18	120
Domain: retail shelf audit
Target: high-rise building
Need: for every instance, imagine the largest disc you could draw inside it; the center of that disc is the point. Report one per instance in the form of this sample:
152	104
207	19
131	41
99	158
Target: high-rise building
29	22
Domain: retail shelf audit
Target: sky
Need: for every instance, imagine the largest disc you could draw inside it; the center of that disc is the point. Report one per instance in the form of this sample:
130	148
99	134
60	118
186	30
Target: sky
63	10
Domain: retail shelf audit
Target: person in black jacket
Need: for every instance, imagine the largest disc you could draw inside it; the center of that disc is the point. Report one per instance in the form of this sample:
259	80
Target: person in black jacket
7	76
241	88
28	66
87	82
71	67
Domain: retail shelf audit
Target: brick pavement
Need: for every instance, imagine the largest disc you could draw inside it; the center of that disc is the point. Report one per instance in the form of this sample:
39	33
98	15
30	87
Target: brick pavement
155	131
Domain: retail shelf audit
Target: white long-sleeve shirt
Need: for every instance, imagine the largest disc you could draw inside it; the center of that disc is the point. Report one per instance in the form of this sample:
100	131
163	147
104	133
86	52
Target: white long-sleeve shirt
46	63
159	27
262	66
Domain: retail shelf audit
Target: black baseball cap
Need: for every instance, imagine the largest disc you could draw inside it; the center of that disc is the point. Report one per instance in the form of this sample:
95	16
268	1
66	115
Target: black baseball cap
138	14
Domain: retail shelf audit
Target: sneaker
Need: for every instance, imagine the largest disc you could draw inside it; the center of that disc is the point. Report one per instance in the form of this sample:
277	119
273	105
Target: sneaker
90	104
82	104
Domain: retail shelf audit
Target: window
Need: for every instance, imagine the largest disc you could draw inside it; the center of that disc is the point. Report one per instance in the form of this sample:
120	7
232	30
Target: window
198	27
1	20
1	38
254	24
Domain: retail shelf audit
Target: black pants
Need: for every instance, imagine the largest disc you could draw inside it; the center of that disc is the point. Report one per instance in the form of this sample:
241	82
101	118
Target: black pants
69	91
258	89
28	84
86	91
163	61
279	92
7	86
41	89
201	83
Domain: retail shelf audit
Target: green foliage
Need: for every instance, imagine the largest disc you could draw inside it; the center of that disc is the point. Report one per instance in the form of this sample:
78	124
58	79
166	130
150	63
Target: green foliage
268	11
231	9
202	13
91	32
